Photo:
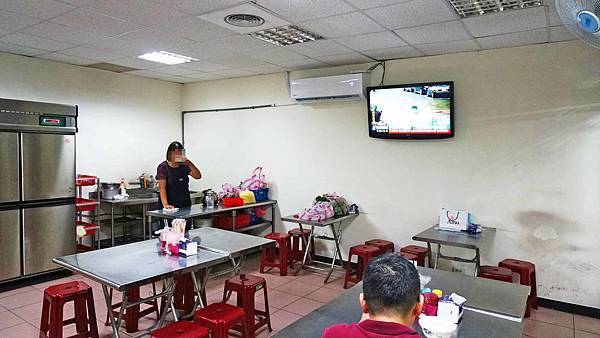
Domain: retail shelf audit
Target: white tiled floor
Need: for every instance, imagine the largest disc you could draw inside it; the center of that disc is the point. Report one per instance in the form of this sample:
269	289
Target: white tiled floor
290	298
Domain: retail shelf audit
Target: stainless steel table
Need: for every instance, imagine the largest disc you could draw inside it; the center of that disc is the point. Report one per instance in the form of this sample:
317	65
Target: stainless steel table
133	201
335	224
132	265
457	239
474	324
198	210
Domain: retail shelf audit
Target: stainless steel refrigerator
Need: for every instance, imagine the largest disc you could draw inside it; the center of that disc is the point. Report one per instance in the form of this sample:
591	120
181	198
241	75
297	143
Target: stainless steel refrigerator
37	186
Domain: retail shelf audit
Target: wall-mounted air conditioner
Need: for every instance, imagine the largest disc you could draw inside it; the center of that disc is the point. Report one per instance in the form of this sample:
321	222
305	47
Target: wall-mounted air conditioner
329	88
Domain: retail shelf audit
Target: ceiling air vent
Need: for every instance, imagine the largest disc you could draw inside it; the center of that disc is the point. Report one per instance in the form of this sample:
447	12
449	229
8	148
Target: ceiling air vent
244	20
467	8
111	67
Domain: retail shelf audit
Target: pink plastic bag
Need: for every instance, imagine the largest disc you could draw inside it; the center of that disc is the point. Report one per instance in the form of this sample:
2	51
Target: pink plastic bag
318	212
229	191
256	181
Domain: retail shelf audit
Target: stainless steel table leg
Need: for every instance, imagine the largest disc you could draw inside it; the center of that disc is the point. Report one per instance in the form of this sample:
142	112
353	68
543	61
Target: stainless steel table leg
477	262
437	256
112	224
144	221
273	218
115	324
430	255
338	253
310	240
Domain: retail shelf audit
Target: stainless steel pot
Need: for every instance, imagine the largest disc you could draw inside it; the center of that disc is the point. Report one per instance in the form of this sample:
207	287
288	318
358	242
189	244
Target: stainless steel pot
109	190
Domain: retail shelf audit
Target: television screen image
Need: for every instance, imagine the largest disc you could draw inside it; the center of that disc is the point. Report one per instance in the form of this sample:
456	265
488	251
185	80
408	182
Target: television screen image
414	111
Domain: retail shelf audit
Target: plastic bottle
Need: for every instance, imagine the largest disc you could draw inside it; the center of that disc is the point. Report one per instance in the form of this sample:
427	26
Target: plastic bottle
430	303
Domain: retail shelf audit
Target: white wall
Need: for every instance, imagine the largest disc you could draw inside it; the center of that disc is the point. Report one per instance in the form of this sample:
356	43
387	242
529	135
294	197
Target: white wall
125	122
525	158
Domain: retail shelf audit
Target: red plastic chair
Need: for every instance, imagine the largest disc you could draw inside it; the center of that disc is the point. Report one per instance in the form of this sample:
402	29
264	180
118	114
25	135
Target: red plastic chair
298	247
219	318
496	273
420	251
181	329
364	254
383	245
55	297
526	271
246	286
278	257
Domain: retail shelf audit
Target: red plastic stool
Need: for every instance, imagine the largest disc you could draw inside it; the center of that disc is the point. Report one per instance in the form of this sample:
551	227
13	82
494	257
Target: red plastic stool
496	273
409	256
219	318
181	329
184	296
364	253
420	251
526	271
297	254
278	257
246	287
383	245
55	297
133	314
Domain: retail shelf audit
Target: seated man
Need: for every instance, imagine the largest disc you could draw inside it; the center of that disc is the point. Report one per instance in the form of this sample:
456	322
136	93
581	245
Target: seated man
390	301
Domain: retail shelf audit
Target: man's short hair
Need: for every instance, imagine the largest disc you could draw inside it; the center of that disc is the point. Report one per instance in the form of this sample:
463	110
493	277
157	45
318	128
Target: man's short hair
391	284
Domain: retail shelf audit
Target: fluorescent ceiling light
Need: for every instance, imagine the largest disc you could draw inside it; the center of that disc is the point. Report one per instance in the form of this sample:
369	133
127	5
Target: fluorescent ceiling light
166	58
286	35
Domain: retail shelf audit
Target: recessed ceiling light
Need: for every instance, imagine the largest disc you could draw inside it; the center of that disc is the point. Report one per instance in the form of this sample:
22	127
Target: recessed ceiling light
166	58
286	35
467	8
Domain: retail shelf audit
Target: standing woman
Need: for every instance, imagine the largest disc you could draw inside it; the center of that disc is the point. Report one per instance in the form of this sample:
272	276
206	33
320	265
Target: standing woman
173	180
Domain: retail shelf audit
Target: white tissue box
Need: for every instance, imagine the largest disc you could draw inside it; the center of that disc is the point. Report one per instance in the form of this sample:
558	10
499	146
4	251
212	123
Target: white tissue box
452	308
188	248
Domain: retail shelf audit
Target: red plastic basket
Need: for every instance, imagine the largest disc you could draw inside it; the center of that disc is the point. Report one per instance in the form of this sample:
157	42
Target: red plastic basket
229	202
84	204
85	180
226	222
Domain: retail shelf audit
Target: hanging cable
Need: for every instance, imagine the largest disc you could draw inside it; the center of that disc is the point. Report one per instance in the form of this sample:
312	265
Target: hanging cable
378	64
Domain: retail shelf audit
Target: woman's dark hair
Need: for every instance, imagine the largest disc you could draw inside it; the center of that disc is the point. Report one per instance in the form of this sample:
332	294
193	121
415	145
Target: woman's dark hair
391	284
175	145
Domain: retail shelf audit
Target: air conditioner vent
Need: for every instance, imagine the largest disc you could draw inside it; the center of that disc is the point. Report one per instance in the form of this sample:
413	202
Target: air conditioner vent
244	20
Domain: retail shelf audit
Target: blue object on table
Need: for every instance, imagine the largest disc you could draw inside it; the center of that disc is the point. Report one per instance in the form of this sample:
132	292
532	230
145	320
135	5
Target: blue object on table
261	195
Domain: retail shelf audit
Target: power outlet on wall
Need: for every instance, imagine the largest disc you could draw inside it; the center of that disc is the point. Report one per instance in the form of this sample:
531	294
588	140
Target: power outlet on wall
455	269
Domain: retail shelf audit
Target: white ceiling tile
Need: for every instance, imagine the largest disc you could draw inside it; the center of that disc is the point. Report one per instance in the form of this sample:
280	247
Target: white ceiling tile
174	70
156	75
205	76
265	69
319	48
553	17
103	24
234	61
43	9
364	4
345	59
208	50
54	31
393	53
155	39
204	66
123	47
3	32
13	21
561	33
37	42
135	62
20	50
301	10
302	64
77	3
196	29
371	41
514	39
199	7
92	53
448	47
447	31
74	60
233	72
413	13
507	22
143	12
343	25
258	49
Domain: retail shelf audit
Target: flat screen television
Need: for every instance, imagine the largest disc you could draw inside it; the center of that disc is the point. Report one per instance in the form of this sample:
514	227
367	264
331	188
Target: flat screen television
411	111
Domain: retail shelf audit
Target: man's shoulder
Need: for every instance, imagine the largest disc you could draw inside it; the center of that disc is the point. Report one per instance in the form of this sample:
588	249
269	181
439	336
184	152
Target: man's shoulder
339	330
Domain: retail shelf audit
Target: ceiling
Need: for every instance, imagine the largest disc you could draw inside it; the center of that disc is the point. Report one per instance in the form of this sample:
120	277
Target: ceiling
84	32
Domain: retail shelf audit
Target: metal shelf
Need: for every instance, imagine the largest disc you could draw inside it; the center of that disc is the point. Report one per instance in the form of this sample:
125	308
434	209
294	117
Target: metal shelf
252	227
